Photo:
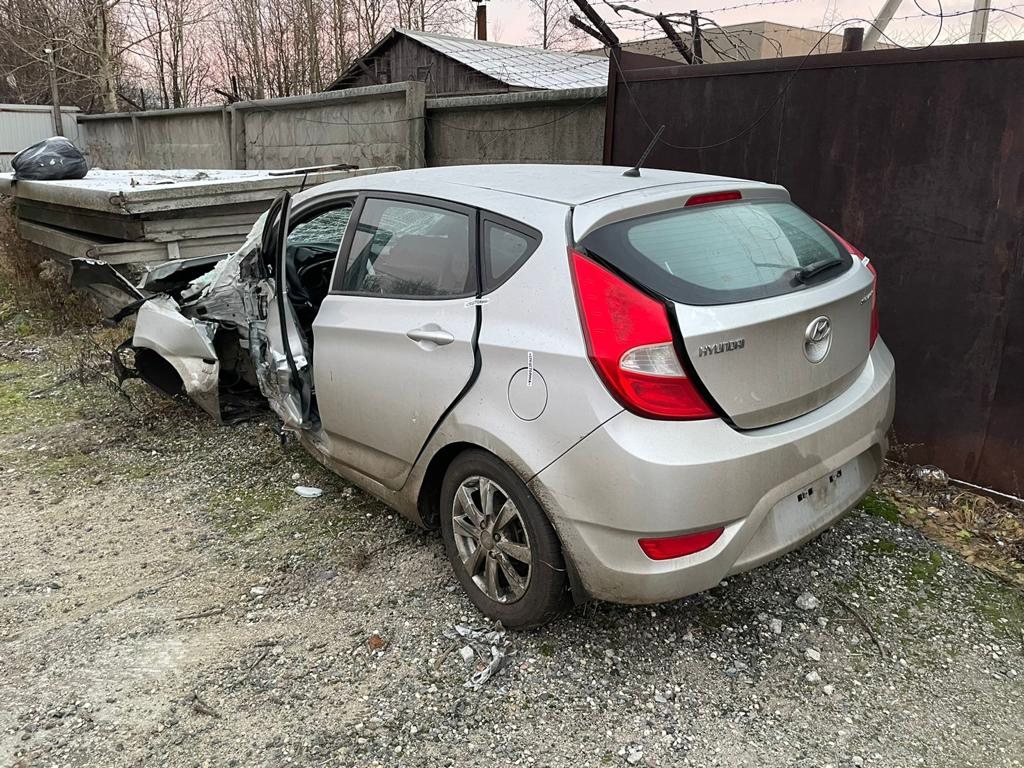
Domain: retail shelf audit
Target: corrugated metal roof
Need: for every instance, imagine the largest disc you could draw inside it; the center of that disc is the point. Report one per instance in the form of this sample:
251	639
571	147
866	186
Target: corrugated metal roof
519	65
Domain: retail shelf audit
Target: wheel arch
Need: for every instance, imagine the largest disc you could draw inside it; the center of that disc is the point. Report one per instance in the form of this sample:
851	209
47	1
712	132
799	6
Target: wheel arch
428	501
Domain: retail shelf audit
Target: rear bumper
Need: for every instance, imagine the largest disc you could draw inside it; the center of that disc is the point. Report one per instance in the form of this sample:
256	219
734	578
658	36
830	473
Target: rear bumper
636	477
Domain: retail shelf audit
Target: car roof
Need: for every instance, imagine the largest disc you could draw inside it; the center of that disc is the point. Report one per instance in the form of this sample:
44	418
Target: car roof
569	185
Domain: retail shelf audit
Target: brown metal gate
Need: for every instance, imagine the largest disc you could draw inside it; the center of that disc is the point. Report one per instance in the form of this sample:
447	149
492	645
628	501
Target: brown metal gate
917	157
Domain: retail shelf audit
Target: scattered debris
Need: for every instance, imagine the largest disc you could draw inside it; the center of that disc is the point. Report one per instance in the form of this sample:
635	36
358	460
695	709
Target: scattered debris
931	476
375	642
259	591
308	491
807	602
467	653
490	646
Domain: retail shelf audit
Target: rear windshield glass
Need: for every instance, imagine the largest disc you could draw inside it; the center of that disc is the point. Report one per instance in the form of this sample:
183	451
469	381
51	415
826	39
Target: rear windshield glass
723	253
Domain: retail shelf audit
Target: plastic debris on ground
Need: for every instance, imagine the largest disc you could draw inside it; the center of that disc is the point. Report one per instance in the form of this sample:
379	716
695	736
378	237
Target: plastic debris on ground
489	647
308	491
49	160
931	476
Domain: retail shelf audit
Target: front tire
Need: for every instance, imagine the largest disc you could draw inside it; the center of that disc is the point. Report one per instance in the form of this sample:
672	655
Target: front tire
500	543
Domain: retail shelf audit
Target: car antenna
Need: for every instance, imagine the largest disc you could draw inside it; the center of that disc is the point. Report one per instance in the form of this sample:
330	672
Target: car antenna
634	172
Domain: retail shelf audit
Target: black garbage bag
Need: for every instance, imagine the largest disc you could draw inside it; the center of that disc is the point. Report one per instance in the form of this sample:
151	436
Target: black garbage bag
50	160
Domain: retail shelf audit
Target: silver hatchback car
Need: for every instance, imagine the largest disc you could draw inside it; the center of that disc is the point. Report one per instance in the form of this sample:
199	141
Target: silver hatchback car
596	385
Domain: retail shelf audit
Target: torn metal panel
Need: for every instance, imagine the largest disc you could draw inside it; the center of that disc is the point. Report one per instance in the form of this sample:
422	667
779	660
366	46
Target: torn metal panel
184	343
175	276
113	290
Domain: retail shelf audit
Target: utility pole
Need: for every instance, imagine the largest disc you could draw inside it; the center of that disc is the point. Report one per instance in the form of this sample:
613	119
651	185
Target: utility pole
698	48
853	39
58	126
880	23
979	21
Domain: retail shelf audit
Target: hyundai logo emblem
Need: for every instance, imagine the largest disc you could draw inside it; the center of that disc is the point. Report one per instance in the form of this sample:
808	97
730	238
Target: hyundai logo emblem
818	339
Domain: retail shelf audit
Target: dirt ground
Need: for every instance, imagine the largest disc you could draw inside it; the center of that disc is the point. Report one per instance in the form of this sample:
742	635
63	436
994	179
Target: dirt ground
167	599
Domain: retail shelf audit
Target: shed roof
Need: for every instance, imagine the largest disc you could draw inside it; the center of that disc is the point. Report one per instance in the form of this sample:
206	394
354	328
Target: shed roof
515	65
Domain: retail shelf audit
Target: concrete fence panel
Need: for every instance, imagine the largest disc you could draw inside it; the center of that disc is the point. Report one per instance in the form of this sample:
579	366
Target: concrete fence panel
162	139
525	127
390	124
378	125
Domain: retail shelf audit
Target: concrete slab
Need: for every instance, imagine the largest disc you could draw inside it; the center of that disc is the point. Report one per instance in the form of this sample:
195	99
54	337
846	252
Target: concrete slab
139	192
76	245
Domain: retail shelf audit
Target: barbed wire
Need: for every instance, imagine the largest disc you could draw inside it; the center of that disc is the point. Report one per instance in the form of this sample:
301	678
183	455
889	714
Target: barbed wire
622	80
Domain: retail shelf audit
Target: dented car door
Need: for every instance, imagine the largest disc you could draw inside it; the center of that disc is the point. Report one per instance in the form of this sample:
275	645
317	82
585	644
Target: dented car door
278	346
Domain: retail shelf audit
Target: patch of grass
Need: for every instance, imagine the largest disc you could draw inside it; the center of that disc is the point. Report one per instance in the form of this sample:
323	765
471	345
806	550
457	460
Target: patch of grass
18	380
1001	607
924	570
240	511
877	505
881	546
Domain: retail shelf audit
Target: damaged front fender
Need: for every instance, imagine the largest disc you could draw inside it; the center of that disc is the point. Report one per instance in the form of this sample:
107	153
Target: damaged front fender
183	343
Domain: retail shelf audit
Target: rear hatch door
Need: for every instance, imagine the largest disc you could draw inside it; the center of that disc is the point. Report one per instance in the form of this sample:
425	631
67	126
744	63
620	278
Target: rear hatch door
774	312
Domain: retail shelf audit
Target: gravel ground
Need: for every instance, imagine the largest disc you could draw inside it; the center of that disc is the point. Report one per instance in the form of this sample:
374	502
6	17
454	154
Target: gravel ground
167	599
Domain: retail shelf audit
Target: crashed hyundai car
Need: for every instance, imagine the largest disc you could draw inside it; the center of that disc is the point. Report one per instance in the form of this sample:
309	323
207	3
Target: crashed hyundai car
597	384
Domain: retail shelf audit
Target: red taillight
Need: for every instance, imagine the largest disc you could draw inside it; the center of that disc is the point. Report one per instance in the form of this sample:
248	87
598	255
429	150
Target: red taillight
712	197
854	251
678	546
630	344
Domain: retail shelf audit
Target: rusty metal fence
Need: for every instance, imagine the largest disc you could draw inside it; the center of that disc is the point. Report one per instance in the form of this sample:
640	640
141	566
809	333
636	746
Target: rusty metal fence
918	158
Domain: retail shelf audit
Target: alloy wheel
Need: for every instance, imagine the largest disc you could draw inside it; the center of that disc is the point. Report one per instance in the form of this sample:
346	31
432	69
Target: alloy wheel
491	539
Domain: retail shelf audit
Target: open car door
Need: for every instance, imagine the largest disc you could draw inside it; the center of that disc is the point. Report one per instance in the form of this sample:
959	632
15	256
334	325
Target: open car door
280	352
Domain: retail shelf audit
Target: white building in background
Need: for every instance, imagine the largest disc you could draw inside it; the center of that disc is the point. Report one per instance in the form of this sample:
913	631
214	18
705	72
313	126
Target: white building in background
748	41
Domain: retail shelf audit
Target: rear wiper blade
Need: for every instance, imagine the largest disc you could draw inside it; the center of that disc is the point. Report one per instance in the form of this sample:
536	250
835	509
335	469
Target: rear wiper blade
816	268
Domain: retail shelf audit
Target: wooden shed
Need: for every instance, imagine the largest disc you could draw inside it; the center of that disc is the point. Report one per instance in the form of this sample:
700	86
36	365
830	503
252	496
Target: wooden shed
454	65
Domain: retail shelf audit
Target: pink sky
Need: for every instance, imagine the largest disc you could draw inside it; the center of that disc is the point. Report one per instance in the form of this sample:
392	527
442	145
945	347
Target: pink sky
511	18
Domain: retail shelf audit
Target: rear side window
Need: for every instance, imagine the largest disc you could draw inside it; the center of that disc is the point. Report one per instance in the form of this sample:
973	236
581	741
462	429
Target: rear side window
402	249
505	250
720	254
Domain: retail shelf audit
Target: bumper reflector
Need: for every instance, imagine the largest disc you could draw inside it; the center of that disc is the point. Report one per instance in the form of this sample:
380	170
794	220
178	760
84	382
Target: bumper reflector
678	546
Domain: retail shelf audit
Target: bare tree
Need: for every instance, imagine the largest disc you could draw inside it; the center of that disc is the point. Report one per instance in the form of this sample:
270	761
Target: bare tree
551	23
87	38
170	55
432	15
372	21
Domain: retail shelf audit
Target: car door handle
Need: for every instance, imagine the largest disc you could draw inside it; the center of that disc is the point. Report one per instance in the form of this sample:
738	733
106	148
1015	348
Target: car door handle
432	333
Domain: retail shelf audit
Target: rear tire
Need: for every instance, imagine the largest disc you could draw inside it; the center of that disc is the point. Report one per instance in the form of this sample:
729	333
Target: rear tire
502	547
